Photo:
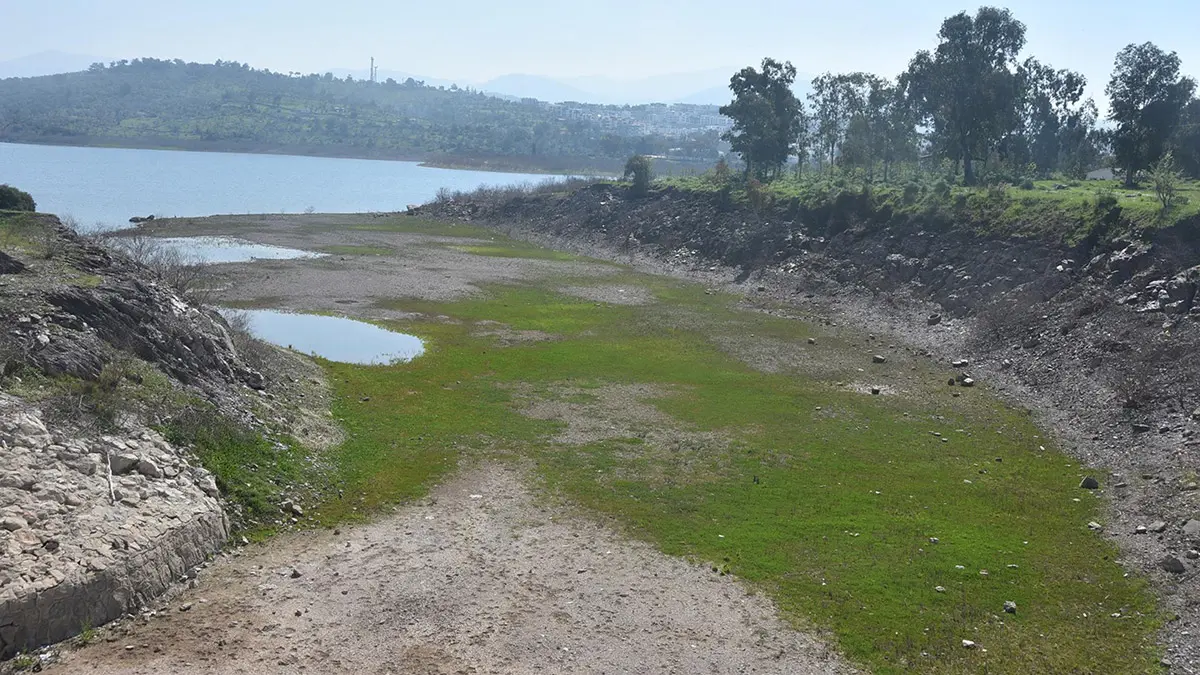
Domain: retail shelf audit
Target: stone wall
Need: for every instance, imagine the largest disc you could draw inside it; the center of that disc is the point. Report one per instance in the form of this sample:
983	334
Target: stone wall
80	546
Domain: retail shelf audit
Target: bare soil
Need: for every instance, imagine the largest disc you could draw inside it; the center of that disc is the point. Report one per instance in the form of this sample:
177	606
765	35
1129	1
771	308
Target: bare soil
479	578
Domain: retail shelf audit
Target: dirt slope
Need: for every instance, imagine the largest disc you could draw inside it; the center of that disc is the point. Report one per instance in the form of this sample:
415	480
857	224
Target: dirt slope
479	578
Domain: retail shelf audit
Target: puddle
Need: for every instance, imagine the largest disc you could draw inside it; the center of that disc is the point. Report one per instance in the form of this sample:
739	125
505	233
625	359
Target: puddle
331	337
215	250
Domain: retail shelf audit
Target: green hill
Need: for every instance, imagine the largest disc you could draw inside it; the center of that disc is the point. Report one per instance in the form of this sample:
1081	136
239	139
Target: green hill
230	106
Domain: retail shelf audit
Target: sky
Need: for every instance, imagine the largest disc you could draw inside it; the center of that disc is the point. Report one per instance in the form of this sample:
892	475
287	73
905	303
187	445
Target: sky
472	41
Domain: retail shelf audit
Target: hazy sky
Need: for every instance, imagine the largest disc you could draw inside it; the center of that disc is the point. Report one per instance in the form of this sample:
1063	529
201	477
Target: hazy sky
474	40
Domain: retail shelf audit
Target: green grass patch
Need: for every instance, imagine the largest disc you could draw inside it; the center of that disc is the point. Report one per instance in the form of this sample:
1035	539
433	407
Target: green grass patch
357	250
509	250
418	225
830	511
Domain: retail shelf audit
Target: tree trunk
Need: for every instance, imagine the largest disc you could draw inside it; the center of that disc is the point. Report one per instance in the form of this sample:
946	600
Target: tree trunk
968	171
1130	174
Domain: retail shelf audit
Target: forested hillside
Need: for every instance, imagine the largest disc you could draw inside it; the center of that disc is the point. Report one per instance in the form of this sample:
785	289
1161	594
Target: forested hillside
230	106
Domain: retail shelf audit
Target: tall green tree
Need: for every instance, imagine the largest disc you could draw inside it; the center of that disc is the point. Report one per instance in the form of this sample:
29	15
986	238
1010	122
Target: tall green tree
1187	140
967	88
1055	119
1147	98
766	117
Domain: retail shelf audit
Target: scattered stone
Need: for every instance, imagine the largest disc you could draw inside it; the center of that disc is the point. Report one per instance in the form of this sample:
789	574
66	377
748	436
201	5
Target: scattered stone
1158	526
185	607
1193	554
13	523
878	359
934	319
812	341
1010	607
968	382
968	644
1192	528
123	463
1140	529
875	391
933	540
940	589
296	573
148	468
961	363
1172	564
1140	428
1090	483
1095	527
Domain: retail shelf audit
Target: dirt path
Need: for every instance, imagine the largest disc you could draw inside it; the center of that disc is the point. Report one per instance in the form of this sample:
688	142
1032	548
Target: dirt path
480	578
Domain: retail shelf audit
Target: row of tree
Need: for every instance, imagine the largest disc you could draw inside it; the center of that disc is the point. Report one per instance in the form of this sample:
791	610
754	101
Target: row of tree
968	100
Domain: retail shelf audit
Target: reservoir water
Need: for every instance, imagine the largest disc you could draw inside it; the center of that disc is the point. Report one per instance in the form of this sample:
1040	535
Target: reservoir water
102	188
215	250
331	337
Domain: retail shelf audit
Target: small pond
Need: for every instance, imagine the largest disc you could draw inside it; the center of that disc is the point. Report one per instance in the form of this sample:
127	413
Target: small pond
331	337
214	250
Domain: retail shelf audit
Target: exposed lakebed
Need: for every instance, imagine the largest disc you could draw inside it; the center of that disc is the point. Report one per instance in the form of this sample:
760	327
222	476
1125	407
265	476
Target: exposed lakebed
331	337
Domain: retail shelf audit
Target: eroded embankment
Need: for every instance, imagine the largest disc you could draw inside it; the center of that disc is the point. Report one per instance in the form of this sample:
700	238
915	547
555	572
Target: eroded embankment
98	512
1096	335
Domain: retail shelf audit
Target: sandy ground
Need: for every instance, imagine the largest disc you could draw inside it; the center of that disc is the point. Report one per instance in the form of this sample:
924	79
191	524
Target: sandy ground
479	578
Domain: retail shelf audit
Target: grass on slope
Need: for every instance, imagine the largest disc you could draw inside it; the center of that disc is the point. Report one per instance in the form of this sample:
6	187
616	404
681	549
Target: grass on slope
824	498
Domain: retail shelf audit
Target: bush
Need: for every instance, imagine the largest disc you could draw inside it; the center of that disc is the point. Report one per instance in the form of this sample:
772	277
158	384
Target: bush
186	277
639	170
1027	184
912	191
941	189
12	199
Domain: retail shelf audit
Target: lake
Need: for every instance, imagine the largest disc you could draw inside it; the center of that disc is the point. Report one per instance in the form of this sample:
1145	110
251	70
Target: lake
102	188
332	337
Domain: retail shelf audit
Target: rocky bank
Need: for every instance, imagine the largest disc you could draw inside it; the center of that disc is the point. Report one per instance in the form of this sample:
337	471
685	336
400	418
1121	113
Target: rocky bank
98	513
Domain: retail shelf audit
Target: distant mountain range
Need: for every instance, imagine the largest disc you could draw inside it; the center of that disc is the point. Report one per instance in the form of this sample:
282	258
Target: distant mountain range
706	87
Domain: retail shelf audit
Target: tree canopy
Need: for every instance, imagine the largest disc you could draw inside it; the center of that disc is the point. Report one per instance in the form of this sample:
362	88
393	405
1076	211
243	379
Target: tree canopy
766	117
1147	98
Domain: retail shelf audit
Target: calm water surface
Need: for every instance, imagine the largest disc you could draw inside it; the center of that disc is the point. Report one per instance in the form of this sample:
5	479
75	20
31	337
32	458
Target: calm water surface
106	186
214	250
331	337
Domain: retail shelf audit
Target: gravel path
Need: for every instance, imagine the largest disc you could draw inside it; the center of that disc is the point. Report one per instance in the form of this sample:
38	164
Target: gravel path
479	578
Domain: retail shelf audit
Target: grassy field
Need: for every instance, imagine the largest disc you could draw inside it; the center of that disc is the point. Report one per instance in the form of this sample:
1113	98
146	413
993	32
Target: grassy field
789	476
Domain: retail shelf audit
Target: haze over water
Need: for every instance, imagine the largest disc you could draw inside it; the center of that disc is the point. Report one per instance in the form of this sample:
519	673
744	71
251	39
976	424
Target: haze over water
107	186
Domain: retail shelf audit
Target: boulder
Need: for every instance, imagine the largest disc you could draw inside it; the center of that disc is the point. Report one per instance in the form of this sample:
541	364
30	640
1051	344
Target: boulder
123	463
1089	483
148	468
1172	564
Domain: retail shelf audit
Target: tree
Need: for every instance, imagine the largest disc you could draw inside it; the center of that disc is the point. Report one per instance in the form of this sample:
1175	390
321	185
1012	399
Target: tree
766	117
1187	139
1054	119
967	88
638	169
1166	180
1147	98
833	104
12	199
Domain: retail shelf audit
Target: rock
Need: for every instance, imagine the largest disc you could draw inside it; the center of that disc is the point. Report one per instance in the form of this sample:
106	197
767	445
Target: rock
1090	483
1172	564
934	319
962	363
1010	607
875	391
968	644
813	341
1095	527
1158	526
1140	428
185	607
13	523
9	265
968	382
1193	554
1196	414
147	467
1140	529
296	573
1192	528
878	359
209	486
123	463
940	589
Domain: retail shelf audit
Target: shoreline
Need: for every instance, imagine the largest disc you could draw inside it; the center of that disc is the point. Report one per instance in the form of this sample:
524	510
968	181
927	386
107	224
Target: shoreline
432	161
